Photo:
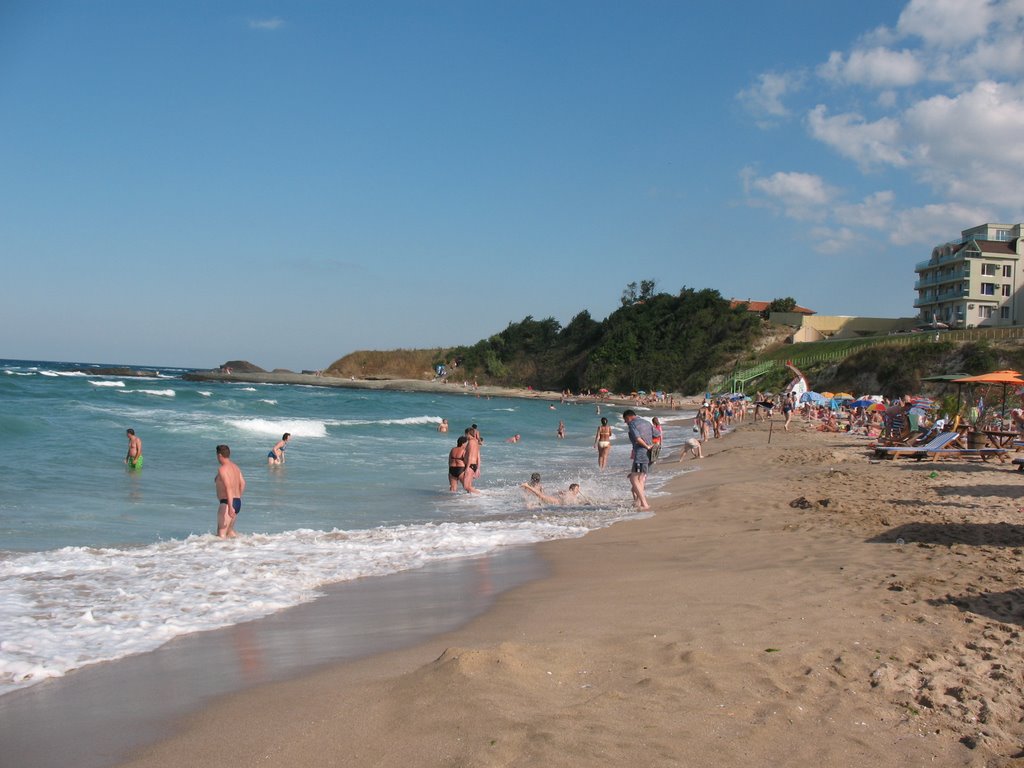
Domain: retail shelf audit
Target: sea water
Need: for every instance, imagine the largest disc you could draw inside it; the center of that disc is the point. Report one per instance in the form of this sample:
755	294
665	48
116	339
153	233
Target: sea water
98	561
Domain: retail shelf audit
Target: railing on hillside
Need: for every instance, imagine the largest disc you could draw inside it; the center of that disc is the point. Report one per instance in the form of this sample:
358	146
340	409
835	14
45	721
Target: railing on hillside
851	346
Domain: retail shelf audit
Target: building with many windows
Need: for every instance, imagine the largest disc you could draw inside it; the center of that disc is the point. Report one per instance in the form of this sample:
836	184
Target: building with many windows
974	281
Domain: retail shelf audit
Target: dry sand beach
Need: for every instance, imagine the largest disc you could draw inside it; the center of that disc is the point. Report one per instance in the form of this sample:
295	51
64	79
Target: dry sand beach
876	625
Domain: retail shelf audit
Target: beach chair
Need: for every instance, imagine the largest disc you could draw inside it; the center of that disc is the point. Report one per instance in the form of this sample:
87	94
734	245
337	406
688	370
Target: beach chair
982	453
941	441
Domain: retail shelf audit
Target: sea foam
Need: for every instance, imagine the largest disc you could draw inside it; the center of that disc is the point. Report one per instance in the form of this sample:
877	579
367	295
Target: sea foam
67	608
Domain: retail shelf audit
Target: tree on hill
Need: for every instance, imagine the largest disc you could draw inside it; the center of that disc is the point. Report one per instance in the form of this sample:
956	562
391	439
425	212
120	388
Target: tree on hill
787	304
654	341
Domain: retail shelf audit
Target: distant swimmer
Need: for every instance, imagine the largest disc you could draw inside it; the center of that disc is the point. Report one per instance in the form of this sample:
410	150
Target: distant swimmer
230	485
276	456
457	463
566	498
514	439
134	457
561	429
443	426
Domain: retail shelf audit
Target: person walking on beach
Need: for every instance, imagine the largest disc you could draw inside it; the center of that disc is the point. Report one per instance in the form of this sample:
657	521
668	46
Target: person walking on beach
787	410
603	443
457	463
134	457
276	456
230	485
642	438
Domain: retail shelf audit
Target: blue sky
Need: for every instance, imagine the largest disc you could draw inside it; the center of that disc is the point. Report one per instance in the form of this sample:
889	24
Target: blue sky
186	183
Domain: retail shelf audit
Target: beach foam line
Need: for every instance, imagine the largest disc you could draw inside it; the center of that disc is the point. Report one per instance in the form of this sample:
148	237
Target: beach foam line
100	604
297	427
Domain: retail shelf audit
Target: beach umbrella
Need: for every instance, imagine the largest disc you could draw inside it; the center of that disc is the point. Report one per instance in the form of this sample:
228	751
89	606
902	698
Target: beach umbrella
875	407
862	403
843	396
814	398
1005	378
827	395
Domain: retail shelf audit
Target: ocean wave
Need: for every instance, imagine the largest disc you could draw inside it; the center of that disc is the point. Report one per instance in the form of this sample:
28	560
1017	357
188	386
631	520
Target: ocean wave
107	383
269	402
154	392
297	427
407	421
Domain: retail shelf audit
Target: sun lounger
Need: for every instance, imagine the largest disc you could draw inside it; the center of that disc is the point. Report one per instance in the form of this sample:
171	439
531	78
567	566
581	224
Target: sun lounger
941	441
981	453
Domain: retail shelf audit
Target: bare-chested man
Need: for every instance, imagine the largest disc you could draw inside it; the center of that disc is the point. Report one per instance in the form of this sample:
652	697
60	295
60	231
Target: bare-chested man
230	486
472	459
134	457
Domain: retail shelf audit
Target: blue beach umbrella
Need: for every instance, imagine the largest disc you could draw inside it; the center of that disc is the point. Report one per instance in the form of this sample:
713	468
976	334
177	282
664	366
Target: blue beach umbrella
813	398
863	403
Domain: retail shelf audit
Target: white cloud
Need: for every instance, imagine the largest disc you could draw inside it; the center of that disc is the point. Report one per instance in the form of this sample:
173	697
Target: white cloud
938	22
800	195
830	241
874	212
867	143
937	98
267	24
764	98
874	67
970	146
933	224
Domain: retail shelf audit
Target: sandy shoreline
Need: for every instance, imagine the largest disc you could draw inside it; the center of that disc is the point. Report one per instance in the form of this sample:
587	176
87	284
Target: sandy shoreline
730	629
398	385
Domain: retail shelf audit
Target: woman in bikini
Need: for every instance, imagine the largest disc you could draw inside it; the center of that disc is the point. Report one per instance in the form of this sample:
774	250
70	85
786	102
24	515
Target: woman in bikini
603	443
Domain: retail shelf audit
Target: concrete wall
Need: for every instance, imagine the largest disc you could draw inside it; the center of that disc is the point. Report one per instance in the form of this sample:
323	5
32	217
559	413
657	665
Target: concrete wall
817	327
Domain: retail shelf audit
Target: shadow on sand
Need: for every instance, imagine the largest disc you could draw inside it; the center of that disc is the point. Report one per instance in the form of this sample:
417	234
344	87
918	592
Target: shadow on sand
947	534
1006	607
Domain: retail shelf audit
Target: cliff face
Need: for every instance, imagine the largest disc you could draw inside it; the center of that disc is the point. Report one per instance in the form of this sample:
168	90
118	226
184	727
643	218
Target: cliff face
390	364
242	366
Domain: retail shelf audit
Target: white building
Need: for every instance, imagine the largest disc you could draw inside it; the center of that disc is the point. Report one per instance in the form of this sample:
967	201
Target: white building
974	281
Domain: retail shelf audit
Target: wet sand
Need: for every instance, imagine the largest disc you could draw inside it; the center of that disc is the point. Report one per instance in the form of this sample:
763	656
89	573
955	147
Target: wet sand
97	715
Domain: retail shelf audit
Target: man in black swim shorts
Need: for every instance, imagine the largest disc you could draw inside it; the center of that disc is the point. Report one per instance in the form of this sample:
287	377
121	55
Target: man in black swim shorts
230	485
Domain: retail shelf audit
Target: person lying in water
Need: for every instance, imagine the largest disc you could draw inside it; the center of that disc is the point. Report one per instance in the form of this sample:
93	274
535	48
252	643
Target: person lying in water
569	497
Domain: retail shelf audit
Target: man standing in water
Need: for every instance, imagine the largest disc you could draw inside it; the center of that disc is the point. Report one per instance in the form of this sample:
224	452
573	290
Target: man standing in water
641	435
230	486
471	459
134	457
